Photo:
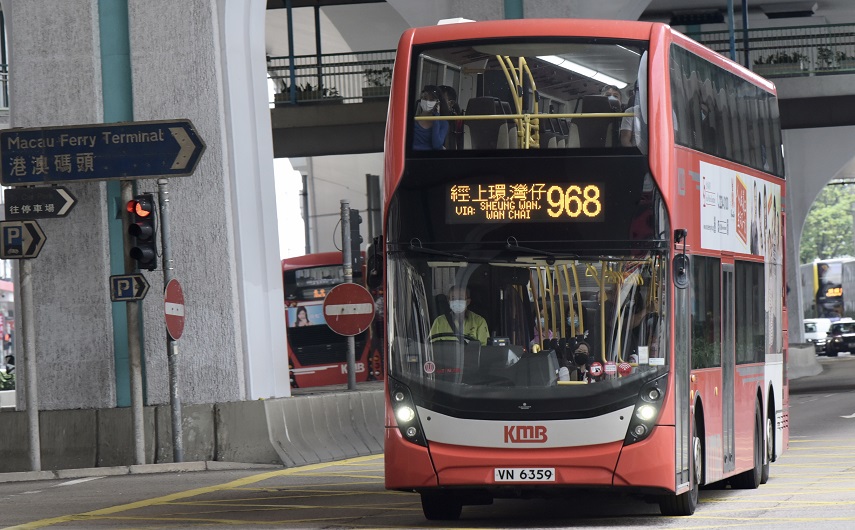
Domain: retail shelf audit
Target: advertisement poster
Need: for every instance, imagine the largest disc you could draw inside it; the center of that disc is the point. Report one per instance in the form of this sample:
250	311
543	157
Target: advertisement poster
305	315
739	213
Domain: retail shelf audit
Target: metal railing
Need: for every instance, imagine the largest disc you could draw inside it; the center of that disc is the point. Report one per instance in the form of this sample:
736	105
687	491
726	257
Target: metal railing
791	51
338	78
4	86
356	77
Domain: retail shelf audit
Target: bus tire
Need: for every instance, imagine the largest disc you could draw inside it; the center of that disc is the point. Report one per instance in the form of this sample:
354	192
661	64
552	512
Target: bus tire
770	447
685	503
440	506
751	479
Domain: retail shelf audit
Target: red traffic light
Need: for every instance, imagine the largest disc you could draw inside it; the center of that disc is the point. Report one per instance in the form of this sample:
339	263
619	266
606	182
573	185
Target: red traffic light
141	207
142	227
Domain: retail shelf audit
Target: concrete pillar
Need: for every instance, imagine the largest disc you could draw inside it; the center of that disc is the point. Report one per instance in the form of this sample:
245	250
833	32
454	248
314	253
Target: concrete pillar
198	59
813	158
205	60
55	79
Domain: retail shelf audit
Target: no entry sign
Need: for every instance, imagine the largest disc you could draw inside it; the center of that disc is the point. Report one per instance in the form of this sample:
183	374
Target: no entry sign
349	309
174	309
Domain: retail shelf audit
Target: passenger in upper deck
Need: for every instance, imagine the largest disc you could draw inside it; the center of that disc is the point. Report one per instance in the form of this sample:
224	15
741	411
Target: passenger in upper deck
613	93
448	107
429	135
461	321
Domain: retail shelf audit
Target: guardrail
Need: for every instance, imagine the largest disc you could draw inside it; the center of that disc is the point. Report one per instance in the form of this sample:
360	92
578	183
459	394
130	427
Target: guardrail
337	78
4	86
356	77
795	51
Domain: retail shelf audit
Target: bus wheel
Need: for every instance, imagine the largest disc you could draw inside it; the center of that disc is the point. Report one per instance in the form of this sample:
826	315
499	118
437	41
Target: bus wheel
751	479
441	506
770	449
685	503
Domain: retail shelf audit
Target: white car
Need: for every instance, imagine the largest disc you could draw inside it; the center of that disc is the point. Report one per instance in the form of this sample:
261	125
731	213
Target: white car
816	331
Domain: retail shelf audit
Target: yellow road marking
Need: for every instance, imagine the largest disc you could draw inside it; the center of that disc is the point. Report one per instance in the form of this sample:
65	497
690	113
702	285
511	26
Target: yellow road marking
183	495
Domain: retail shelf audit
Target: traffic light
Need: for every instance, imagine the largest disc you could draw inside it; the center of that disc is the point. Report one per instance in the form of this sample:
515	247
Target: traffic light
355	241
143	229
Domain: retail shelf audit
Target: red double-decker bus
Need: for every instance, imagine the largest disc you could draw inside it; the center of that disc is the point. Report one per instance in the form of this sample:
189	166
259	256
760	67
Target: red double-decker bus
583	265
317	356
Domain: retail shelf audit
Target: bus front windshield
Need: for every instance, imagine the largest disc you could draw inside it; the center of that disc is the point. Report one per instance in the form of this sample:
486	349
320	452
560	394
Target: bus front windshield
527	327
545	94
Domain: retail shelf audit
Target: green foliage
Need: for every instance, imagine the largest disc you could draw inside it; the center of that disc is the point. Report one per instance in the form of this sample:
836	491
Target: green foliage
827	231
7	381
379	76
782	57
828	58
307	91
824	57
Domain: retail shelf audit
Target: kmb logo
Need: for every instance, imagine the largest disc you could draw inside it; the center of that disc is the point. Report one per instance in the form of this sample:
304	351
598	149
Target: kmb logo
525	434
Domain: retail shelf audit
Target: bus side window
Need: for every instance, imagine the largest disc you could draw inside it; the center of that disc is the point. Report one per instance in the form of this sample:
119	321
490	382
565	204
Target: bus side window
724	130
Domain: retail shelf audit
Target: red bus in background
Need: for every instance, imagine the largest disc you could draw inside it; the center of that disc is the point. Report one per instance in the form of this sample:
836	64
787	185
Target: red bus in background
317	356
584	283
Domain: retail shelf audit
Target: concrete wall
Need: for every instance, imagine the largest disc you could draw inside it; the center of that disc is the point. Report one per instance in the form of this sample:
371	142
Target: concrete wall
289	431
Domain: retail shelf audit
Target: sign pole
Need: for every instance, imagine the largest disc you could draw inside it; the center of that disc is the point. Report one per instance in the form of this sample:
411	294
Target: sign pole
348	278
134	348
171	348
25	280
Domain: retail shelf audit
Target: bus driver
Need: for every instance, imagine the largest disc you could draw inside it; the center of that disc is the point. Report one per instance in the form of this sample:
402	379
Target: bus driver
460	320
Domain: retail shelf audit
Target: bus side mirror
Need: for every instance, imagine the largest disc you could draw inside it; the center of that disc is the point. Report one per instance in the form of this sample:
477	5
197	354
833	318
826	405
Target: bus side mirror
680	265
681	271
374	269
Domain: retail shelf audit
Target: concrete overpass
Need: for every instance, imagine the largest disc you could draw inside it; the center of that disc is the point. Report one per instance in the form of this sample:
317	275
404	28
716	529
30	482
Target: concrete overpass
817	103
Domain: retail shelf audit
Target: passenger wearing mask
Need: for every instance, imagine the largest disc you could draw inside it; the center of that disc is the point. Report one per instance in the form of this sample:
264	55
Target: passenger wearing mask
613	93
429	135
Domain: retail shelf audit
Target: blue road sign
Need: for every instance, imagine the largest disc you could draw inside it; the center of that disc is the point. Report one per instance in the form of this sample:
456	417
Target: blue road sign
106	151
20	239
128	287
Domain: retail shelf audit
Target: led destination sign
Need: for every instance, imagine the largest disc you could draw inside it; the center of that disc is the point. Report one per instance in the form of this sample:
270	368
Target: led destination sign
540	202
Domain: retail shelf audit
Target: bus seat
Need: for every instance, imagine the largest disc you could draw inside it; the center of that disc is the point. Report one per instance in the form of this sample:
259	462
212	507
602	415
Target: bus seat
572	135
548	137
597	132
513	142
559	133
535	369
485	134
564	127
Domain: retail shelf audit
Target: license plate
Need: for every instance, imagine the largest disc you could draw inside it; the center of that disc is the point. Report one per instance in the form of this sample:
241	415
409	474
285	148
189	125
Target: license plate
524	474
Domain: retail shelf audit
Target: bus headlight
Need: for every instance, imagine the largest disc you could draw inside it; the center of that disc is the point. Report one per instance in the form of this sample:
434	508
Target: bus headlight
405	413
647	409
645	413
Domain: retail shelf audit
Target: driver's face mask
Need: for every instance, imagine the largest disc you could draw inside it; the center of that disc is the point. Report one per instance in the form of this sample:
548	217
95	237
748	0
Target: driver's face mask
457	306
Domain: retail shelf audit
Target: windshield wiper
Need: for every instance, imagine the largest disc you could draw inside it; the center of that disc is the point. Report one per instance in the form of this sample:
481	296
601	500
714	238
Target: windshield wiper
513	245
421	250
